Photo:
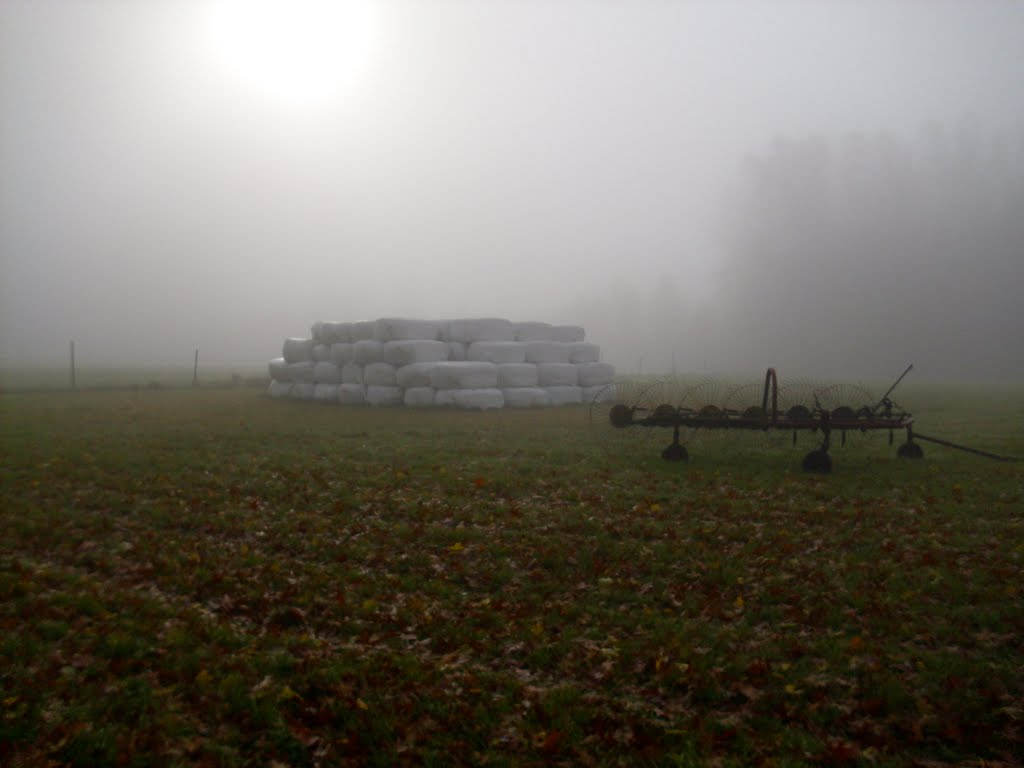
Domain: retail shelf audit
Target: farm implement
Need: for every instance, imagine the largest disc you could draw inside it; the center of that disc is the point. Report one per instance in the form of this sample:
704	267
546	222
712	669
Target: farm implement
819	411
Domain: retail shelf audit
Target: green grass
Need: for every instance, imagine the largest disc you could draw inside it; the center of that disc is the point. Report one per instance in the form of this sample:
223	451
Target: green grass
51	378
211	577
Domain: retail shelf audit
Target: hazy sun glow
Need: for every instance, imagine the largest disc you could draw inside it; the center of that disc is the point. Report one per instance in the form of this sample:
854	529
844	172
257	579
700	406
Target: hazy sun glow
296	52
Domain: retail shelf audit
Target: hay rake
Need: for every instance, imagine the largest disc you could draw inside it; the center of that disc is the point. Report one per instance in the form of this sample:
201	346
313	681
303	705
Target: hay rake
818	410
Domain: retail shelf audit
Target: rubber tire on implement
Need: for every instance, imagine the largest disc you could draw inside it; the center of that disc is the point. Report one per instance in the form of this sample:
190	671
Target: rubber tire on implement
675	452
910	451
817	461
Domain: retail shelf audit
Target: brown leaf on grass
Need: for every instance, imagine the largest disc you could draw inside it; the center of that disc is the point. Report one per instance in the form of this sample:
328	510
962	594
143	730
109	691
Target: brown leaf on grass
550	741
757	668
750	692
839	752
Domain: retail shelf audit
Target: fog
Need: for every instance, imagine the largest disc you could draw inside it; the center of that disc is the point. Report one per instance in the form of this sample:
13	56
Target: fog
833	188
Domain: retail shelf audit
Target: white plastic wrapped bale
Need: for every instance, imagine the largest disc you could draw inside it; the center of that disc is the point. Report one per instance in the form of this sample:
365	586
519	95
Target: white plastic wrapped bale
444	398
595	374
364	330
526	397
303	390
342	352
351	394
298	372
296	350
326	373
517	375
321	353
366	351
565	395
326	393
414	375
468	330
557	375
584	352
404	329
279	389
419	397
567	333
547	352
602	393
530	331
379	375
378	395
278	369
352	373
464	375
497	351
334	332
406	352
478	399
316	331
457	350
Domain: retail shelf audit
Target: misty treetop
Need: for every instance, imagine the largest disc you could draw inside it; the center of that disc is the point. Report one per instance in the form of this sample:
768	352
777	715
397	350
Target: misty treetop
883	248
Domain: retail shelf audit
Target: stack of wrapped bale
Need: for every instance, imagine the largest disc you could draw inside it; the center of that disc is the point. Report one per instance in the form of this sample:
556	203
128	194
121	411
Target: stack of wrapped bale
476	363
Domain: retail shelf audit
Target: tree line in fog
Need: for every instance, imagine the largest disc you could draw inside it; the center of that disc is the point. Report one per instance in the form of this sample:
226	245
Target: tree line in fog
853	256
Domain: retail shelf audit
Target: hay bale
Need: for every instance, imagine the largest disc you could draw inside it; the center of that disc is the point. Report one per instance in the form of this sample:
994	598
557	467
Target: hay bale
464	375
419	397
530	331
326	373
468	330
406	352
331	332
526	397
482	399
557	375
325	393
477	363
405	329
279	389
414	375
351	394
547	352
380	396
364	330
584	352
352	373
296	350
366	351
517	375
497	351
567	333
342	352
298	372
379	375
278	369
565	395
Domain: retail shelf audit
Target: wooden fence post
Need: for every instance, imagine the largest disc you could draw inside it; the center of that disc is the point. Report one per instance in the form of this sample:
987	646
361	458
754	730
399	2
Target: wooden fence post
195	370
74	384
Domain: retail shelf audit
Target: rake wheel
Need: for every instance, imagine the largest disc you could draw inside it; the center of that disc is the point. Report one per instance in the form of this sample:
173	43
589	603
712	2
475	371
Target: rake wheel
817	461
614	411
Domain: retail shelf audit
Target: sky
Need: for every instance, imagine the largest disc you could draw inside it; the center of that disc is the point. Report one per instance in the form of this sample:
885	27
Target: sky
175	176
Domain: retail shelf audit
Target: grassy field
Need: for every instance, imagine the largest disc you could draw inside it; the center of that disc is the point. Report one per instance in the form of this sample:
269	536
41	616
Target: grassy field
209	577
19	379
